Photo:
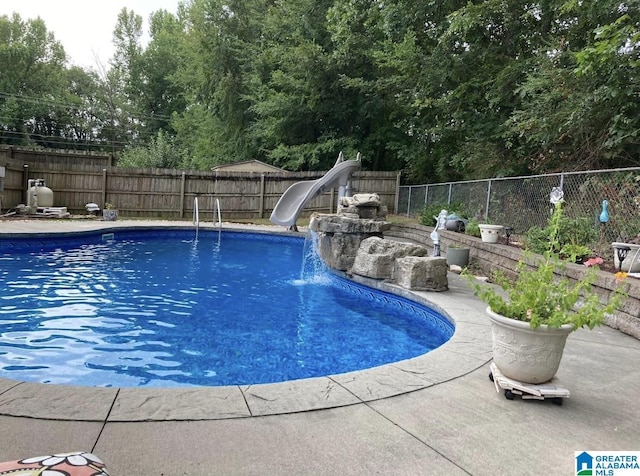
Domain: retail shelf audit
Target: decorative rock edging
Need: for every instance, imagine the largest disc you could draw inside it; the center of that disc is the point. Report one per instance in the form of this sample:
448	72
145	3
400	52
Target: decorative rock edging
505	258
356	246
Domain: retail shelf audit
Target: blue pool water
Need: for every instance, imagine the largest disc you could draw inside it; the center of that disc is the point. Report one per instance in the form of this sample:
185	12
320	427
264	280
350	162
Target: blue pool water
172	308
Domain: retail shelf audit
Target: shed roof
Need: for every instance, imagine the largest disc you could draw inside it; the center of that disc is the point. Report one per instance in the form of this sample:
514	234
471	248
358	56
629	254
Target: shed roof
248	166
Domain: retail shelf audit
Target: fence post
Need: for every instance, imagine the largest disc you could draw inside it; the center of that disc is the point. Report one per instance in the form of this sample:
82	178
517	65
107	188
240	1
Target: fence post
426	194
25	183
182	182
486	209
104	188
261	211
409	201
397	198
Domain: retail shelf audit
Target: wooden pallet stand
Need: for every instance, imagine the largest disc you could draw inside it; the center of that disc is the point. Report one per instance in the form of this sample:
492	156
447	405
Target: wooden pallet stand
527	391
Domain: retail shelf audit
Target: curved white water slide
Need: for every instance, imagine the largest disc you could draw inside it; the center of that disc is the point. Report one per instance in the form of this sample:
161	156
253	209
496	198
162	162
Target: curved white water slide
299	194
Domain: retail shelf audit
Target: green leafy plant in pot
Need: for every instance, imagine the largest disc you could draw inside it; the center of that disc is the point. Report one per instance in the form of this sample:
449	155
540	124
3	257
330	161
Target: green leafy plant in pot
532	316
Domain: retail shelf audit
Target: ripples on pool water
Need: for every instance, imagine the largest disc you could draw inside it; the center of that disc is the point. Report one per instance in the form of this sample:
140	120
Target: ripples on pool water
159	308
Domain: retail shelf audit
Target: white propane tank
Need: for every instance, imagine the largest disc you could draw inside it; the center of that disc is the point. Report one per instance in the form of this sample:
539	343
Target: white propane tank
39	195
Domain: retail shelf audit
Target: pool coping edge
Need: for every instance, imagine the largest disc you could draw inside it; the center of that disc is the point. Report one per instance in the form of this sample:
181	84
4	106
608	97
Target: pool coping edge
468	349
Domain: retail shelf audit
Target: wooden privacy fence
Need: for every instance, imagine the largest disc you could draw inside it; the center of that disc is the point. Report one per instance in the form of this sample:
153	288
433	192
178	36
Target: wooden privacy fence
170	194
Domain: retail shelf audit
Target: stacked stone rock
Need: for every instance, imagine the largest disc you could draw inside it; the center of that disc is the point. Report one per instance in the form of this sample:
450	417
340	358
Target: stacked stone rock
355	245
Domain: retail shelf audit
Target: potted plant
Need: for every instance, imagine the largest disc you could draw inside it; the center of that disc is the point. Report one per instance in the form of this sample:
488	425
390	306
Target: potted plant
109	212
532	316
490	233
457	255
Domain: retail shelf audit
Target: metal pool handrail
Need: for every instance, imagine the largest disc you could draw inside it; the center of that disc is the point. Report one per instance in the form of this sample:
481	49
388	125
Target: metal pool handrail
196	213
219	215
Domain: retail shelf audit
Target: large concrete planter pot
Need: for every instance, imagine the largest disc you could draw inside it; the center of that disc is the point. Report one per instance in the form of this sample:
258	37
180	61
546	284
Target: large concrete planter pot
458	256
525	354
490	233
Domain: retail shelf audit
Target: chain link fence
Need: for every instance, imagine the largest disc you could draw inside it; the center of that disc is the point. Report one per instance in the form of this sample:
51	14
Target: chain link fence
523	202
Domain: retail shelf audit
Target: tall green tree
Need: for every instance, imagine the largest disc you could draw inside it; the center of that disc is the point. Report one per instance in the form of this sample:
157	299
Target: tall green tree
475	70
299	109
361	35
443	90
218	54
386	52
580	105
82	114
122	83
32	81
160	94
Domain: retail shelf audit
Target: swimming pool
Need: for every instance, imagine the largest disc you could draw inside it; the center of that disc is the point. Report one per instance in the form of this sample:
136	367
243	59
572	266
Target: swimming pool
169	308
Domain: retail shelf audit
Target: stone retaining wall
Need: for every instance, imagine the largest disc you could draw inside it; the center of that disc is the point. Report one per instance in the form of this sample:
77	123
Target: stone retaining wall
490	257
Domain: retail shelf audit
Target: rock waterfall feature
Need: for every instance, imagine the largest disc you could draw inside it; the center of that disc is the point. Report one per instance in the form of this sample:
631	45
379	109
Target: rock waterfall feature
356	246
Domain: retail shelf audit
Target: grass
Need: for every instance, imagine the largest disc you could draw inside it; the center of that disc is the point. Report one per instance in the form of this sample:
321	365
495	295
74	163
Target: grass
402	219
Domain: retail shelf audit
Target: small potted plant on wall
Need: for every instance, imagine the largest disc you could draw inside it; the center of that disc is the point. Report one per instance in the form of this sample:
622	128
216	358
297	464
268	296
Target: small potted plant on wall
533	315
109	212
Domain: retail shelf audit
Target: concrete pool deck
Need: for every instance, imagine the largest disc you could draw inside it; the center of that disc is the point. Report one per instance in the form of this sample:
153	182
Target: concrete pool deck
436	414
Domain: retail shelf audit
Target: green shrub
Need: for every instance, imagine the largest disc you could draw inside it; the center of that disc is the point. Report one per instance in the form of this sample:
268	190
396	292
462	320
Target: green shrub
572	231
472	228
537	239
575	253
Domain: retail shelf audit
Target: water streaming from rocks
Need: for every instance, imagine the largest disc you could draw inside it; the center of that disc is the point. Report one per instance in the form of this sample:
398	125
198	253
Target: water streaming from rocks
313	269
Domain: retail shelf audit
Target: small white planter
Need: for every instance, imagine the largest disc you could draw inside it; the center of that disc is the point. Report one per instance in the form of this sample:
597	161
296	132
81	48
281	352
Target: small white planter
525	354
490	233
631	263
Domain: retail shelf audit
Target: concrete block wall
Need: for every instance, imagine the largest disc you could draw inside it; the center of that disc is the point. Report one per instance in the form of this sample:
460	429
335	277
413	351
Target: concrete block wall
491	257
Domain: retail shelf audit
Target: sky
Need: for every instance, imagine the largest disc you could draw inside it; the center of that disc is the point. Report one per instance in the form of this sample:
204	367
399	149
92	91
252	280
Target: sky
85	27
